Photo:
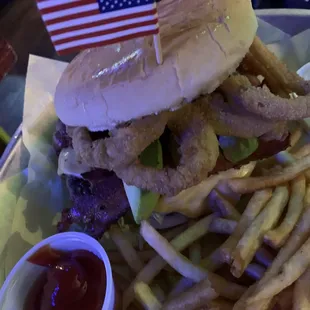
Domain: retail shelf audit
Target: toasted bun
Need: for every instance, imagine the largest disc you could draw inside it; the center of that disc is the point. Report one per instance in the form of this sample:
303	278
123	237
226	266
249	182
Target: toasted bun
106	86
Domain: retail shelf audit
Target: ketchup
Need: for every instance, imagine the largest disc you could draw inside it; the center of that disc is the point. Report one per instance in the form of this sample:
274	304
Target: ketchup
74	280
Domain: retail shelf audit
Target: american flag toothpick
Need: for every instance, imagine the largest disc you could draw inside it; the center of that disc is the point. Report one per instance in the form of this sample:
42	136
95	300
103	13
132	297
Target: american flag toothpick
76	25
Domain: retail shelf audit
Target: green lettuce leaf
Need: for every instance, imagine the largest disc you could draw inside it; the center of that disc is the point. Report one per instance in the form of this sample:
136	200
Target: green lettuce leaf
142	203
237	149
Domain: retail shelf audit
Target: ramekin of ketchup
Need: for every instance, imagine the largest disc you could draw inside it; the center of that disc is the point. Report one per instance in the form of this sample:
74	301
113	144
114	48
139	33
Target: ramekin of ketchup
66	271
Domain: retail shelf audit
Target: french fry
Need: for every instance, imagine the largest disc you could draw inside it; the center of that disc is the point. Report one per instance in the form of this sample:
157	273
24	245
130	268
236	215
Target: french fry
185	267
302	152
121	284
135	306
283	301
146	255
222	226
195	253
279	235
307	198
158	292
163	222
226	289
126	249
255	271
181	242
299	235
290	272
285	158
120	281
254	207
181	286
272	171
214	261
107	242
211	253
265	164
295	241
216	258
301	295
252	184
288	159
194	298
146	296
223	207
253	236
196	195
175	259
123	270
225	191
295	137
140	243
219	304
175	231
241	304
117	258
264	257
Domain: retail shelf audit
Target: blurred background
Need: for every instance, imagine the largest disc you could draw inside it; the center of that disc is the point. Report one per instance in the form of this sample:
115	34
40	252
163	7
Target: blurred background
21	26
265	4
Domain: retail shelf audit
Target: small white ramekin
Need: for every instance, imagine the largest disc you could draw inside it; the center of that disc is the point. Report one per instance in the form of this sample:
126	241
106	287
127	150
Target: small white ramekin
20	280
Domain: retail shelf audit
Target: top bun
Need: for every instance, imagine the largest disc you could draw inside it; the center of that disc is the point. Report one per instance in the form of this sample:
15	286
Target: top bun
203	42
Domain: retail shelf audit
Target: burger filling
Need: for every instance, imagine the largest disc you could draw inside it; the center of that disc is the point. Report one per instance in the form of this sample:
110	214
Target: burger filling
99	198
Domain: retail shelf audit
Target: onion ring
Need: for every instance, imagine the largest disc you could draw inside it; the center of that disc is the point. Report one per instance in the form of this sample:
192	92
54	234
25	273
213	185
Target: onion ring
199	152
123	146
269	106
262	102
227	121
270	66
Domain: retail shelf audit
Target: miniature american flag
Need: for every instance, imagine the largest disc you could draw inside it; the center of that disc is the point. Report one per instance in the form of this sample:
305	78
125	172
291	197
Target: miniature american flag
75	25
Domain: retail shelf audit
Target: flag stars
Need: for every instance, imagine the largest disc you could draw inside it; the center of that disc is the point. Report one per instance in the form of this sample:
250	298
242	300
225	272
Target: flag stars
112	5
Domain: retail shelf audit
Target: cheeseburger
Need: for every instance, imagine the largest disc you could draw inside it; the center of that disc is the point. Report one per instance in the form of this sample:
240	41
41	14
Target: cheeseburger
132	132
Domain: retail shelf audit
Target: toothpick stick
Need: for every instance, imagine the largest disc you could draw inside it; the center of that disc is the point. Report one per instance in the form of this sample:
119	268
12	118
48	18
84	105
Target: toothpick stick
158	50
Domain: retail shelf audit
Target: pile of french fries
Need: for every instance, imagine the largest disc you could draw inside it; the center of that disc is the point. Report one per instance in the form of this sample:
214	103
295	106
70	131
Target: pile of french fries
248	250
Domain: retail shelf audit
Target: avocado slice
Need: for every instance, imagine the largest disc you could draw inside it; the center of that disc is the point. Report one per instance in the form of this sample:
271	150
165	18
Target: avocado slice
143	202
237	149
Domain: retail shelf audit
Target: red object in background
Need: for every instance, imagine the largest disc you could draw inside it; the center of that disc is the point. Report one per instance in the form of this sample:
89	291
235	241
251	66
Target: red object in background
8	58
